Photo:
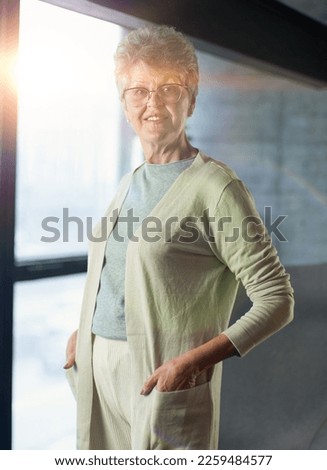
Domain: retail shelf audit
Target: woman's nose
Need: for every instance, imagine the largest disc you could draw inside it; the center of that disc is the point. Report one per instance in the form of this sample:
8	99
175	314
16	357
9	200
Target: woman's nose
154	99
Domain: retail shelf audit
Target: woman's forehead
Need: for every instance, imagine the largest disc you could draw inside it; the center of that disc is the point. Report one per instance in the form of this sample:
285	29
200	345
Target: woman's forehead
142	73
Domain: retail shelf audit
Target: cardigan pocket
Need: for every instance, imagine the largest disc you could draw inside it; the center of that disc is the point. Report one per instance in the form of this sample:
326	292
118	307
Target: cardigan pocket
182	419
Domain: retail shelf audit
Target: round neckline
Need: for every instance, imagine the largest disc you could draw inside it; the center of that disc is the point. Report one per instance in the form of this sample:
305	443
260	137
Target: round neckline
147	164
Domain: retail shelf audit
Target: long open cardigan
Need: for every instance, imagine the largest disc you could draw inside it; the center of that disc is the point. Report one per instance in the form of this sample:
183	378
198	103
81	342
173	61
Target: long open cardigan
181	283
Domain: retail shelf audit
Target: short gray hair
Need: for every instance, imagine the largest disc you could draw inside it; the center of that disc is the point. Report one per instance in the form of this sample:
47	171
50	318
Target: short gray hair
158	45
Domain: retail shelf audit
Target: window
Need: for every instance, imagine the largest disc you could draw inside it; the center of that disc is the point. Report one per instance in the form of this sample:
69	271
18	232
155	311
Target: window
69	122
271	131
70	127
46	313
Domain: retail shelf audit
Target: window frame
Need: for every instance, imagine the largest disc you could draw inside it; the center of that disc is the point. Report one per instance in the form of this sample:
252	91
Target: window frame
9	27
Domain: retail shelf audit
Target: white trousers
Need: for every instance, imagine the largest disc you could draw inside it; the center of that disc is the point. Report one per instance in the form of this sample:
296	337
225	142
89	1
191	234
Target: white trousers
112	373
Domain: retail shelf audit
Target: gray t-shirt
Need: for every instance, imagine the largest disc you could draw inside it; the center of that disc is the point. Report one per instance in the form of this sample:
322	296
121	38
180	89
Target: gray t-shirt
149	184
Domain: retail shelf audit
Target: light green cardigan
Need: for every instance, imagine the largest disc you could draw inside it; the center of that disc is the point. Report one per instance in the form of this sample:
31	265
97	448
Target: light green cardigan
180	295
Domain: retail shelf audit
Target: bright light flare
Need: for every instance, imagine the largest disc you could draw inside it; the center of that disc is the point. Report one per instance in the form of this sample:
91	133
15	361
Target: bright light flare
55	63
41	71
8	71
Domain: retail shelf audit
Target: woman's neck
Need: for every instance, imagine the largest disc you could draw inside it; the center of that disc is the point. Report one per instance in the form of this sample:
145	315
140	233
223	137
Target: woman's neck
156	153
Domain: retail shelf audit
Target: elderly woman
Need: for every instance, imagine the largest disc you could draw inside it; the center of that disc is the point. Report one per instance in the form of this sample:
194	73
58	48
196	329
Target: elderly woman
182	232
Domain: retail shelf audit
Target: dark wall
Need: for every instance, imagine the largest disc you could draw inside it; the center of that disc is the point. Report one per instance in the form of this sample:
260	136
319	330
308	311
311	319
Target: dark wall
276	396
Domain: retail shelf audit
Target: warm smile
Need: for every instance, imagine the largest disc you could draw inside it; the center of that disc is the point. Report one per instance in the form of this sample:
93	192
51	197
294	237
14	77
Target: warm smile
154	118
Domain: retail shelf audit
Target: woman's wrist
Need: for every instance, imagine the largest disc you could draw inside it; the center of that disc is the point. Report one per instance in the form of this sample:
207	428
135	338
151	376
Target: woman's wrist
208	354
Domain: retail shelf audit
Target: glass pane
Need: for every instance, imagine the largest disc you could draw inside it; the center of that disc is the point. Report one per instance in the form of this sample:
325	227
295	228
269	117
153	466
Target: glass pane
272	132
46	313
69	128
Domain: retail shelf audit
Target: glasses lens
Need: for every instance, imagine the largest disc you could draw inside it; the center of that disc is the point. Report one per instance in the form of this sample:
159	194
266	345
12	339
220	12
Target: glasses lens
136	96
169	93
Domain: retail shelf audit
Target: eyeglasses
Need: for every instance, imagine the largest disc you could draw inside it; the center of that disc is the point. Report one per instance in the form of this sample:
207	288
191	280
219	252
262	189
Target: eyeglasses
168	93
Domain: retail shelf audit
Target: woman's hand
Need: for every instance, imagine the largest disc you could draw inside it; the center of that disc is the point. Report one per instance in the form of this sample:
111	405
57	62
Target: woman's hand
181	372
71	350
177	374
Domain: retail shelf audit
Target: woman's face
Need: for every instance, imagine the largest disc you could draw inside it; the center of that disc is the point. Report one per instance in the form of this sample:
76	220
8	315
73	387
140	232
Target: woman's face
155	122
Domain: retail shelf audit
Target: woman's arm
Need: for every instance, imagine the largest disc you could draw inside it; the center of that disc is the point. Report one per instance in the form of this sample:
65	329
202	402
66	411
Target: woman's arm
245	247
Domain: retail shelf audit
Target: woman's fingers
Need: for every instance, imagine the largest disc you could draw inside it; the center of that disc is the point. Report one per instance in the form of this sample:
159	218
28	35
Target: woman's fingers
70	362
171	376
71	351
149	384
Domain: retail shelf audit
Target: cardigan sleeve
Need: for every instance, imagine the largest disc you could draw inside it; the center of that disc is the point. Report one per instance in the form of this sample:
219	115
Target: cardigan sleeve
242	243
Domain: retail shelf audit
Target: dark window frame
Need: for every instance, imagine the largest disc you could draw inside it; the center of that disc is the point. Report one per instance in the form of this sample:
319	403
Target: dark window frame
9	28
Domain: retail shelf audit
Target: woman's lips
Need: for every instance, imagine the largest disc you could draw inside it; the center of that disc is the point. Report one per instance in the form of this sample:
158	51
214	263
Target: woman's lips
154	118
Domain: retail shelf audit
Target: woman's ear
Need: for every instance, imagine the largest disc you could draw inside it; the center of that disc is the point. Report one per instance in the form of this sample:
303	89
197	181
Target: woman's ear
125	109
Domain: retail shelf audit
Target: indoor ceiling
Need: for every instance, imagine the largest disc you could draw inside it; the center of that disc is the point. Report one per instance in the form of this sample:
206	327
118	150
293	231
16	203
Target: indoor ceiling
316	9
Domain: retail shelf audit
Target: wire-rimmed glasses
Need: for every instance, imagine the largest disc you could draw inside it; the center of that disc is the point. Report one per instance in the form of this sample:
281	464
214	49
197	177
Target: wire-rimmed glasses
169	93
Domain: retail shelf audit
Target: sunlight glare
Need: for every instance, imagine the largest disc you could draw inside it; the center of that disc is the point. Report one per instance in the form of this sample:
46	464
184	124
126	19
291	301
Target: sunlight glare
52	64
